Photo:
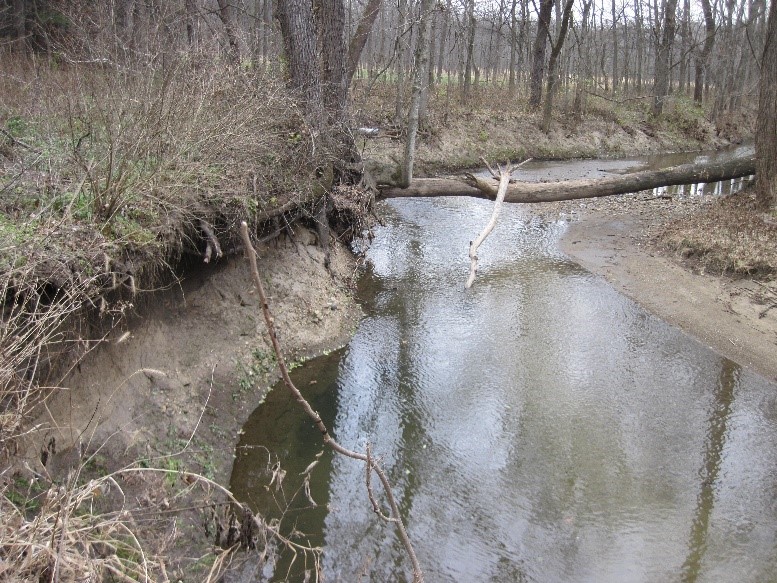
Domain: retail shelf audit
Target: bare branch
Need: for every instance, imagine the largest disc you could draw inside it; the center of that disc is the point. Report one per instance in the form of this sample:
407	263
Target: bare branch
315	417
504	180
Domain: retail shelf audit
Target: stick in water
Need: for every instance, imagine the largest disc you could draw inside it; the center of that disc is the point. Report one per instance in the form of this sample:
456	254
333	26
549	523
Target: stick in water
504	180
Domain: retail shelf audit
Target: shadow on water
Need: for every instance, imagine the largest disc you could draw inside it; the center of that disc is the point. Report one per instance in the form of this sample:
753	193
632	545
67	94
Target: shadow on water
538	427
278	436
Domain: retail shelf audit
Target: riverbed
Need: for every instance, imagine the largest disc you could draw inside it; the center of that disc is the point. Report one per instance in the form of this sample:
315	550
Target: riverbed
538	427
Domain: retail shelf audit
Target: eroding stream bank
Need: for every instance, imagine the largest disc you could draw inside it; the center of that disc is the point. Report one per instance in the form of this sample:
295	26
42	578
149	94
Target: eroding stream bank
172	387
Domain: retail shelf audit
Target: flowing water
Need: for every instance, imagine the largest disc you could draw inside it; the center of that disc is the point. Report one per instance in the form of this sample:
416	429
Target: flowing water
537	427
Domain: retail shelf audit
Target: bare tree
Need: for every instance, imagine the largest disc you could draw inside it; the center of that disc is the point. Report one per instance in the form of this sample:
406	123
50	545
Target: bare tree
299	39
513	45
420	76
664	57
331	33
359	38
538	53
766	132
553	64
471	31
583	62
703	55
225	15
615	51
400	47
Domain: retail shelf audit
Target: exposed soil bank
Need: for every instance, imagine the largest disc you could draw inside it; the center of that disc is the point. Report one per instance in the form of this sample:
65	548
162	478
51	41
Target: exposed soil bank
614	239
173	386
196	360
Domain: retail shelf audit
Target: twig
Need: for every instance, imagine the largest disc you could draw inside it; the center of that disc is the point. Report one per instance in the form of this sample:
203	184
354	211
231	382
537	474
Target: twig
762	313
375	506
10	136
491	170
315	417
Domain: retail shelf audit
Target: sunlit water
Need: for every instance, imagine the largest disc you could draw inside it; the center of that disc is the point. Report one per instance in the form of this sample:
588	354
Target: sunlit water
537	427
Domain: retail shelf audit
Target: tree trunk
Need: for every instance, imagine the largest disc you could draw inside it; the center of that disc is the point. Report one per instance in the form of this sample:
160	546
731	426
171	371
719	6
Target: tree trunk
685	33
583	63
331	32
552	65
225	15
419	79
703	56
359	39
663	58
640	44
191	14
299	40
513	46
428	86
766	132
576	189
538	54
442	40
268	24
615	50
399	53
472	26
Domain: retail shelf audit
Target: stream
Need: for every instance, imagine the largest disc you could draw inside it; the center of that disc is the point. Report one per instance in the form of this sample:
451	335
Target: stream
537	427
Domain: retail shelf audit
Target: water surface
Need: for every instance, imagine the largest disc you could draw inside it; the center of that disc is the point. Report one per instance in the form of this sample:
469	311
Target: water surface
537	427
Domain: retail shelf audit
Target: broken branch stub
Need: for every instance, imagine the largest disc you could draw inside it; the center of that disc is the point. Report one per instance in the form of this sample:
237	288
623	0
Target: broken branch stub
504	180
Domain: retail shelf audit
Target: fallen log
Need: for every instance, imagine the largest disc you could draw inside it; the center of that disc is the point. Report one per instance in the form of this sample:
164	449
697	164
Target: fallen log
486	187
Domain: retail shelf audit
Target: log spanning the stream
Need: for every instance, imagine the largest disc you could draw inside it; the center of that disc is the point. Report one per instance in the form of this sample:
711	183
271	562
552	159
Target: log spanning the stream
482	187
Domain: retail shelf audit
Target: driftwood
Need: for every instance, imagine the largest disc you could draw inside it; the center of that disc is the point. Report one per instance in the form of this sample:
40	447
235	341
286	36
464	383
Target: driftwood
482	187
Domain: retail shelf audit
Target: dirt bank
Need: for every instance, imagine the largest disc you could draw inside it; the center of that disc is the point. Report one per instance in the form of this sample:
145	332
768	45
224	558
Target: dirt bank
615	238
459	141
172	387
196	360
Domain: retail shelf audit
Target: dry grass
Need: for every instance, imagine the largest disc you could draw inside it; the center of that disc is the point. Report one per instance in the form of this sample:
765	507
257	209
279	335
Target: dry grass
730	237
93	530
107	176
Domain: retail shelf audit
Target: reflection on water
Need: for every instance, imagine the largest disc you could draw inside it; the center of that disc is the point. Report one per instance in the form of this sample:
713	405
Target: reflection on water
537	427
713	454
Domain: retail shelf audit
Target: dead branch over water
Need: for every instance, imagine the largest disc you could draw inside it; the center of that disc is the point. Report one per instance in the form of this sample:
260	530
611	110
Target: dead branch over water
372	465
504	181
